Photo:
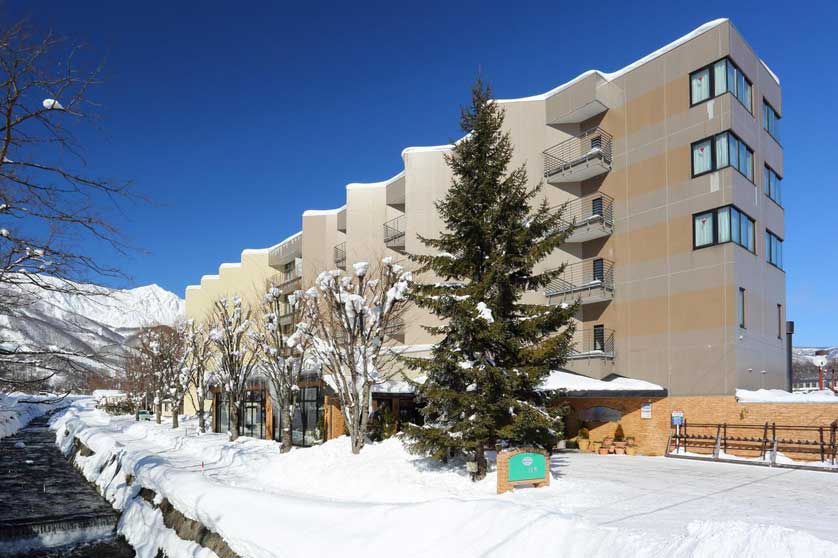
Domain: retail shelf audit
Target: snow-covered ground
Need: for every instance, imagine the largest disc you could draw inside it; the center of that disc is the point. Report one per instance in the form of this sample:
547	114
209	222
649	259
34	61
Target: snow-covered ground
18	409
325	500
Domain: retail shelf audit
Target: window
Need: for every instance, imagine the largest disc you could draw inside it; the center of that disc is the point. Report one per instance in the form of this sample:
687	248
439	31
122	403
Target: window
724	224
770	120
740	308
599	338
773	249
717	79
779	321
771	185
722	150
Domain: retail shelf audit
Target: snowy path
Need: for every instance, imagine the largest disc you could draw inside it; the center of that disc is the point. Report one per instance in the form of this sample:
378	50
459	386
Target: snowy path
323	499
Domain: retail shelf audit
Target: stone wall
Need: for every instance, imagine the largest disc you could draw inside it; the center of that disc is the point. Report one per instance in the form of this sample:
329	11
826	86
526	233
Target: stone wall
651	435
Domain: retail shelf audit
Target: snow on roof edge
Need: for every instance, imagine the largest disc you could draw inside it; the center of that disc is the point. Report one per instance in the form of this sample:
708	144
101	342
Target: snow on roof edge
314	212
383	183
625	69
573	383
772	74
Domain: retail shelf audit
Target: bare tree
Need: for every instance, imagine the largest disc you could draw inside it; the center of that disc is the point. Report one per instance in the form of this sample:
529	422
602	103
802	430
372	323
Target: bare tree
199	361
283	355
49	204
350	320
237	353
163	357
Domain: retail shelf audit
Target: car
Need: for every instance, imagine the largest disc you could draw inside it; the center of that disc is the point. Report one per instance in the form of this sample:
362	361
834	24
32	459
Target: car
143	414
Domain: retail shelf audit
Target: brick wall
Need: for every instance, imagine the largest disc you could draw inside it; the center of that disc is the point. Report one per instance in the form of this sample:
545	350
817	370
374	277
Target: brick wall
651	435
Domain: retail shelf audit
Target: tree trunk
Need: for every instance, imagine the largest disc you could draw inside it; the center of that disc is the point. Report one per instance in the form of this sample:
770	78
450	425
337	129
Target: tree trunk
482	465
234	419
175	416
285	423
158	412
202	420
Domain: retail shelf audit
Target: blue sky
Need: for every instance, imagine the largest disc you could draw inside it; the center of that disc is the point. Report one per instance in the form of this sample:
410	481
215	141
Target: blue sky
236	117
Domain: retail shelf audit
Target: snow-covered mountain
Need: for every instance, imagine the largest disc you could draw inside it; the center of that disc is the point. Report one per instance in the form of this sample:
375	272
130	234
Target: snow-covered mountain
805	354
87	319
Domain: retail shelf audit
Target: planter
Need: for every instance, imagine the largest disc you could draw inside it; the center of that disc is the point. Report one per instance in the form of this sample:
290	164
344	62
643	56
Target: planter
607	442
620	451
603	451
620	444
631	450
584	444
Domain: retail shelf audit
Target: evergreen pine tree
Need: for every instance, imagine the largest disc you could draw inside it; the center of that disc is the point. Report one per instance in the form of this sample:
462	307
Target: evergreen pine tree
494	349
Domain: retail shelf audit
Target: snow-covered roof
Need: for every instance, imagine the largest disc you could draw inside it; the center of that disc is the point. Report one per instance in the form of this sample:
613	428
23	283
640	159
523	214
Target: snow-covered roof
782	396
383	183
576	383
313	212
102	393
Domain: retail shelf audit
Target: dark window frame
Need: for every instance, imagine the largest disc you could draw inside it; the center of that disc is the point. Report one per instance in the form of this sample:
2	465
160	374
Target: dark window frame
769	251
766	188
713	165
715	229
741	308
779	321
777	118
712	77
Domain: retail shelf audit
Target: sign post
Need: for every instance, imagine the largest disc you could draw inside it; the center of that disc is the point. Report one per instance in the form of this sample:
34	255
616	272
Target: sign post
677	421
524	466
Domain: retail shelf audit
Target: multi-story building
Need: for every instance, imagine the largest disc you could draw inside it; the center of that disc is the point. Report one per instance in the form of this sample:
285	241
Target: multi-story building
671	170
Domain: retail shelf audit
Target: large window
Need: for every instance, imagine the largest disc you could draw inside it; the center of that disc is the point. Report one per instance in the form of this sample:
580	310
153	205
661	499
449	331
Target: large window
773	249
719	78
771	185
724	224
770	120
720	151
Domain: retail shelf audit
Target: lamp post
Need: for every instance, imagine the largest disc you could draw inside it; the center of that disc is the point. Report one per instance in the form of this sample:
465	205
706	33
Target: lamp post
820	361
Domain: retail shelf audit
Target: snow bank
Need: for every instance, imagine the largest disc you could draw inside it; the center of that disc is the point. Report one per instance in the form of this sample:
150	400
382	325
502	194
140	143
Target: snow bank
18	409
321	500
781	396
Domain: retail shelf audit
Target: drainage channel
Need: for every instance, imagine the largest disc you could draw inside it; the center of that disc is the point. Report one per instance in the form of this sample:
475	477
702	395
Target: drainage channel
46	507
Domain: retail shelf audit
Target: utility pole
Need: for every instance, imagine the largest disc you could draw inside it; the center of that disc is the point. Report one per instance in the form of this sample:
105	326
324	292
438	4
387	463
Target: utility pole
820	361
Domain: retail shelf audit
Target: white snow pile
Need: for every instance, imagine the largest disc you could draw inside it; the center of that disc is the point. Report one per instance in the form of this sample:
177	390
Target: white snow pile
782	396
324	500
570	382
18	409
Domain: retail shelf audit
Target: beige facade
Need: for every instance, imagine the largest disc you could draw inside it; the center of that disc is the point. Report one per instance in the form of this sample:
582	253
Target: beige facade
617	148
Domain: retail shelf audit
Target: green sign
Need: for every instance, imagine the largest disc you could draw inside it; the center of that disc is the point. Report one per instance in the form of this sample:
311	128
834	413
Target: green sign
527	466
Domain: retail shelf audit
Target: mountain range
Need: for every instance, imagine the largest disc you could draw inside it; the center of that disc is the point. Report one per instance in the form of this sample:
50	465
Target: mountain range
87	319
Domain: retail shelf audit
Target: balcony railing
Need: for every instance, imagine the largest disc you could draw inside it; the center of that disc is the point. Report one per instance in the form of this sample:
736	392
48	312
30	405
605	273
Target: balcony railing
394	233
579	158
340	256
288	276
589	281
592	217
395	329
592	343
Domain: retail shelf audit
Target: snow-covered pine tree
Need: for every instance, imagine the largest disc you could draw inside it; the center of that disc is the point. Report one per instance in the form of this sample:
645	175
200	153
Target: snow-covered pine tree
494	350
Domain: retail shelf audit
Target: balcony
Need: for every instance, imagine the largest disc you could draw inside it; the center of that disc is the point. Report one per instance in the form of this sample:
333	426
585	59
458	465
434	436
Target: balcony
395	329
578	158
588	281
340	256
290	277
394	233
590	217
596	343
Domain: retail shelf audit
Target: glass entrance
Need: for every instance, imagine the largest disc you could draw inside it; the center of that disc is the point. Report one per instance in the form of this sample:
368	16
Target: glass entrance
308	410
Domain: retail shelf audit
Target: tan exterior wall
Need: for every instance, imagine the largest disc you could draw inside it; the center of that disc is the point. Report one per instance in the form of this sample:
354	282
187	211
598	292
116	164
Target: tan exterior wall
674	308
651	435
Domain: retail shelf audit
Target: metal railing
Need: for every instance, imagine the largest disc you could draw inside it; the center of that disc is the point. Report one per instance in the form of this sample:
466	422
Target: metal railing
764	442
594	273
394	233
592	343
394	328
593	208
589	145
340	256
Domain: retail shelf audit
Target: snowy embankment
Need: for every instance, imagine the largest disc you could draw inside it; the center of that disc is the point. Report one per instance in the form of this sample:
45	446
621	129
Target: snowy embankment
325	500
18	409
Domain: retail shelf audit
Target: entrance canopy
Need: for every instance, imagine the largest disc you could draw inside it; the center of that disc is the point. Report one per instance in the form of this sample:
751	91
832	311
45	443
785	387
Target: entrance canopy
576	385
